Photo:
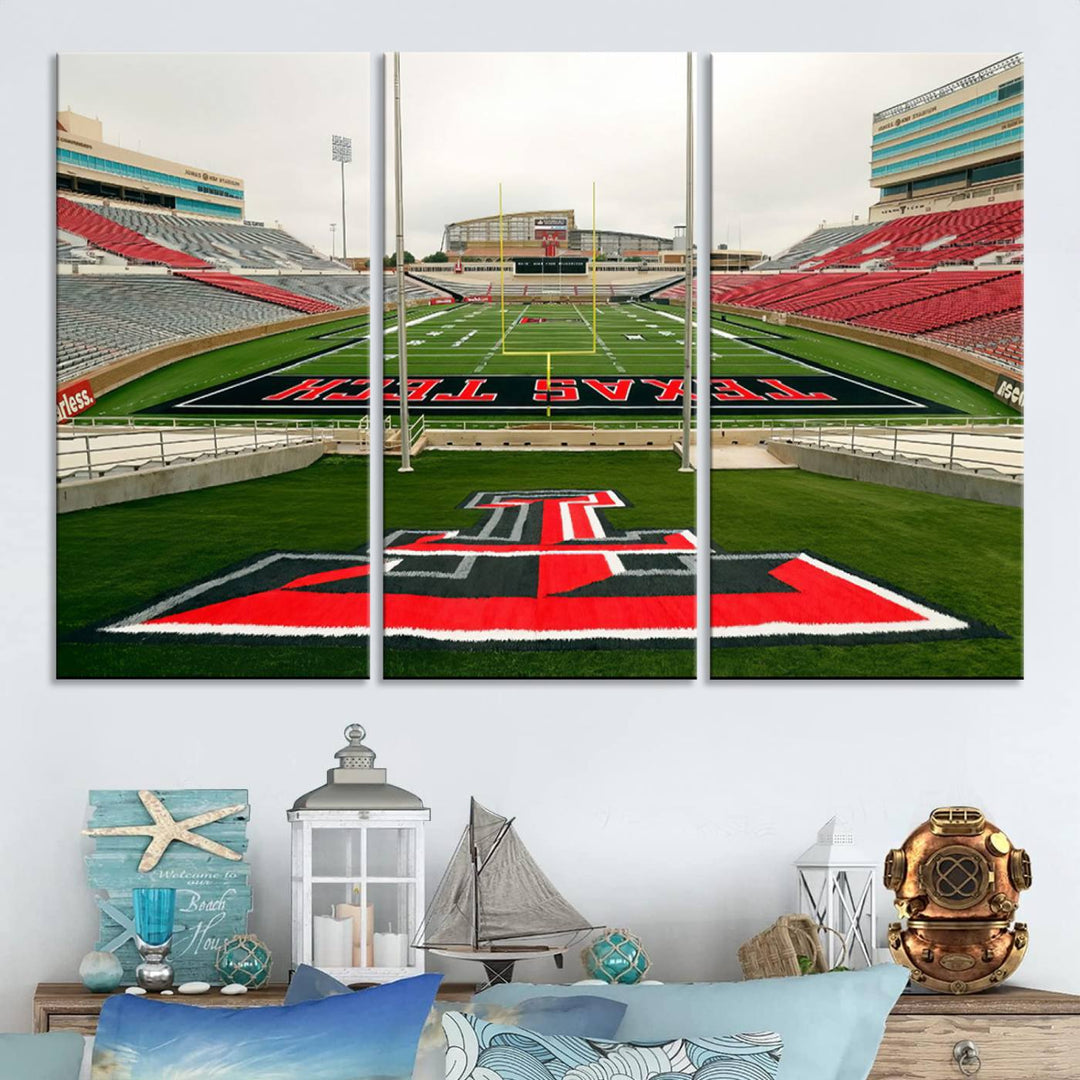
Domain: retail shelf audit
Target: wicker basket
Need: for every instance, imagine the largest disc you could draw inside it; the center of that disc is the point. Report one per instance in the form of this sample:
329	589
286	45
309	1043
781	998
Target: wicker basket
775	952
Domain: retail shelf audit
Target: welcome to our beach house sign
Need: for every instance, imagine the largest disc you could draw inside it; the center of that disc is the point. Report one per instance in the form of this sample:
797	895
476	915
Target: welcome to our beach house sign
193	841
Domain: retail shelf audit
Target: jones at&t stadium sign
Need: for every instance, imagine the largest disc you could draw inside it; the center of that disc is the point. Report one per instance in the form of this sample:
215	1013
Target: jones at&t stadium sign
540	569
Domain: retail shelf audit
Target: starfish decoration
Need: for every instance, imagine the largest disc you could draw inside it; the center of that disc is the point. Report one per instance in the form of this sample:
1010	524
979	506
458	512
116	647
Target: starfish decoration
126	924
166	829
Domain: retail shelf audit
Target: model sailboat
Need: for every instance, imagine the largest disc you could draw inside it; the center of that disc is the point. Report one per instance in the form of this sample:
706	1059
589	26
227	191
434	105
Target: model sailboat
494	902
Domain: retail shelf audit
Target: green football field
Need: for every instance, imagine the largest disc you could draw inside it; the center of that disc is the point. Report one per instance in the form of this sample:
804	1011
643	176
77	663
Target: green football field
481	339
115	560
964	556
476	339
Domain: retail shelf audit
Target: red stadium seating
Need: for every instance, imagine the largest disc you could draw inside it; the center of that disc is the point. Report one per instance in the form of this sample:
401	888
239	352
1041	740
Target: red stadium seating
956	236
104	233
260	291
1003	292
999	336
977	310
118	239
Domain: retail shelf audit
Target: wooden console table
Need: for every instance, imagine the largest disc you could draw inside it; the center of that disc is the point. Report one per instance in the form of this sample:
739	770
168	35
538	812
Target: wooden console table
71	1007
1017	1034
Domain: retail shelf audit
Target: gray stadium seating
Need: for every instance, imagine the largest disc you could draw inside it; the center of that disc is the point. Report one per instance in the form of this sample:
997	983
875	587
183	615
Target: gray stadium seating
222	243
341	290
818	242
100	318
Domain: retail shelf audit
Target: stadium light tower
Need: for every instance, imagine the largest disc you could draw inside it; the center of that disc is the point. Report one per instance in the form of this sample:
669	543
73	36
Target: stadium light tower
688	333
341	150
399	213
333	238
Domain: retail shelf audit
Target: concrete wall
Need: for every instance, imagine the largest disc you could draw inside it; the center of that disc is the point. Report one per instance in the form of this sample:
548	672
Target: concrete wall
191	476
940	356
900	474
558	439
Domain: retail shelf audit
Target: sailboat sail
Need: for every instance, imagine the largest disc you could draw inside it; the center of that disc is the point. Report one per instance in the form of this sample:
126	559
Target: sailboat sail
493	890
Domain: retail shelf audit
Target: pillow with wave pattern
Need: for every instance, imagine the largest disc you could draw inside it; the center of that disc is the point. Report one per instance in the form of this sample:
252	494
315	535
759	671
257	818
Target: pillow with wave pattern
477	1049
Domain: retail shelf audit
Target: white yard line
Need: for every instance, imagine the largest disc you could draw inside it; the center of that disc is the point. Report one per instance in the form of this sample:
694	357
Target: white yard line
392	327
802	363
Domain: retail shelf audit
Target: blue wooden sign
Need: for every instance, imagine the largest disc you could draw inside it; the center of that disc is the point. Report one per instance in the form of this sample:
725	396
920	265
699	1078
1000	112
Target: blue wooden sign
183	840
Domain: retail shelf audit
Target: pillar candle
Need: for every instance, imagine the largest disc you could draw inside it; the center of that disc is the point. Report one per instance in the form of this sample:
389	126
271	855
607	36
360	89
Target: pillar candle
352	913
333	942
391	950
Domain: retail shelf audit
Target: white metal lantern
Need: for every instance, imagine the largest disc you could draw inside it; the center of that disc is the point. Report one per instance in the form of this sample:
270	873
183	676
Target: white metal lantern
358	872
836	884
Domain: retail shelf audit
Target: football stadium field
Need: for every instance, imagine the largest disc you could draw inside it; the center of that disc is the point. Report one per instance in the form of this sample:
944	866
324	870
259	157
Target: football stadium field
629	339
476	359
115	561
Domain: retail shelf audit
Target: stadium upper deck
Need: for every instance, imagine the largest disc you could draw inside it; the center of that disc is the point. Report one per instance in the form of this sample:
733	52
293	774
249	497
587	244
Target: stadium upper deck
87	165
957	145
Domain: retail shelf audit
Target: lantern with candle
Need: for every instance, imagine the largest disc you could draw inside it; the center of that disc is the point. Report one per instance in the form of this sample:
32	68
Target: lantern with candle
357	872
836	886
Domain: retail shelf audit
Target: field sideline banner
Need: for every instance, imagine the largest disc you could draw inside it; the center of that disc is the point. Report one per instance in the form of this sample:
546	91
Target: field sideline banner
1010	390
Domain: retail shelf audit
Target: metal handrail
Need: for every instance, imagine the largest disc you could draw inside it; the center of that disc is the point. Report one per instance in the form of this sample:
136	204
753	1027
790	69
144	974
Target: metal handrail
949	449
96	452
952	420
149	420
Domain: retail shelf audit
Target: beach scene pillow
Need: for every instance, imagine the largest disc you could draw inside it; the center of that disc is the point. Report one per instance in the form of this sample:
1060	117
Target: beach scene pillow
478	1049
591	1017
373	1034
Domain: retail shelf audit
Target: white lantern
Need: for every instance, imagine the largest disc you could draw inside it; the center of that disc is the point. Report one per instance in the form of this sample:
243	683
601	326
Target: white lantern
836	884
358	872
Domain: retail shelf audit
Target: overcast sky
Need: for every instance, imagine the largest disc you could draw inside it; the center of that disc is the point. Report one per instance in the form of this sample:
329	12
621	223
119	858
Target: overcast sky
265	117
791	135
546	125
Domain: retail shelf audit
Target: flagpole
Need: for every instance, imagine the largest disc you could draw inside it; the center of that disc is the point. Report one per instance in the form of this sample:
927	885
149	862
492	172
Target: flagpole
688	333
403	361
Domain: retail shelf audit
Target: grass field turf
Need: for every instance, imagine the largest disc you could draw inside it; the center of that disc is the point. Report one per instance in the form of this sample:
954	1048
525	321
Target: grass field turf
659	495
115	559
751	353
468	339
297	348
477	339
962	555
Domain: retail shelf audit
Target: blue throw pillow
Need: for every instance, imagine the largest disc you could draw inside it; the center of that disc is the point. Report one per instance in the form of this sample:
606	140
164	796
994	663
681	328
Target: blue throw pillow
56	1056
340	1038
593	1017
831	1024
310	984
478	1050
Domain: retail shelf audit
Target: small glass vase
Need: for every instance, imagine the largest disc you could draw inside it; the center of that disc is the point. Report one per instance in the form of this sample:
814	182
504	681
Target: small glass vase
155	911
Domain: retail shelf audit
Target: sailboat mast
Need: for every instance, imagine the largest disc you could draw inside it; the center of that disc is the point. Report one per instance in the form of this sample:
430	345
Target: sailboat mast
474	855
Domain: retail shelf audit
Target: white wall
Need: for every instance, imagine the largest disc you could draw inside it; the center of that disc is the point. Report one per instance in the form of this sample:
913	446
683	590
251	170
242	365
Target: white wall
676	811
673	809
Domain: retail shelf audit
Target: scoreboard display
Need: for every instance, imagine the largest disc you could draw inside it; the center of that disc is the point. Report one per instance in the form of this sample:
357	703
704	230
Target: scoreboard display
560	264
558	227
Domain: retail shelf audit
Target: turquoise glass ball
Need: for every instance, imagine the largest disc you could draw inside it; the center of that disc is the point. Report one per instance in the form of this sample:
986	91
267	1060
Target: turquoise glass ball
101	972
244	959
617	957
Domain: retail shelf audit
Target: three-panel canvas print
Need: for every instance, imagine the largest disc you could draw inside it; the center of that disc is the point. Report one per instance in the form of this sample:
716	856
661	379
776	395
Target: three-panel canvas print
565	342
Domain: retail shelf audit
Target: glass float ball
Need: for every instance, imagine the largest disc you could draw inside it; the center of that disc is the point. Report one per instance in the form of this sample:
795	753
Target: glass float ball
101	972
245	961
617	957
